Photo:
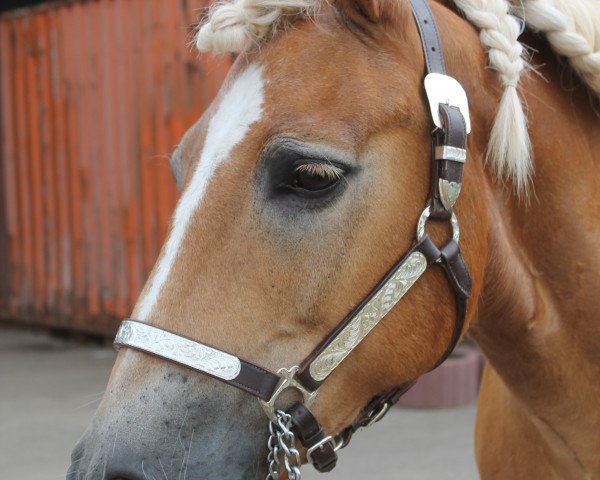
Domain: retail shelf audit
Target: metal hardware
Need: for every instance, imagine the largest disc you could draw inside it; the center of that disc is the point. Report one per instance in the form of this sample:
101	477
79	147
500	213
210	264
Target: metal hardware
288	380
454	154
449	192
282	446
369	316
178	349
378	415
336	445
442	89
423	220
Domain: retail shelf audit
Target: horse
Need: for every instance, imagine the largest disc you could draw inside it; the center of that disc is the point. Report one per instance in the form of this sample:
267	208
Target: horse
301	187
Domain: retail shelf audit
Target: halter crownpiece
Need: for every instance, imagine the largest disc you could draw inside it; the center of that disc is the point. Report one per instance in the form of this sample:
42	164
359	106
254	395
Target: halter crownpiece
450	114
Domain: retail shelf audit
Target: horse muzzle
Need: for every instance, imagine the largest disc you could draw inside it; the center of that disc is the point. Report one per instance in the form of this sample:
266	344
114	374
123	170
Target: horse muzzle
174	426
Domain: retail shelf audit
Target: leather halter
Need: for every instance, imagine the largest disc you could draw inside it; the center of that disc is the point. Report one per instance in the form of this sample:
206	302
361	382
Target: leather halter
449	109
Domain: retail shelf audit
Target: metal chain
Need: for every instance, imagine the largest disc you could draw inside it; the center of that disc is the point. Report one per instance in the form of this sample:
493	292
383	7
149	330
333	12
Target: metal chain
282	449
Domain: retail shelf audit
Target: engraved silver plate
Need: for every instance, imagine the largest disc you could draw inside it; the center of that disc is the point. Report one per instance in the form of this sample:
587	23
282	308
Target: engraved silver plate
449	192
178	349
444	89
446	152
369	315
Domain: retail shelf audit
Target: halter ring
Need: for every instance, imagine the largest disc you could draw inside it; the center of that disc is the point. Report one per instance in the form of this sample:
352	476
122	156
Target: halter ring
423	220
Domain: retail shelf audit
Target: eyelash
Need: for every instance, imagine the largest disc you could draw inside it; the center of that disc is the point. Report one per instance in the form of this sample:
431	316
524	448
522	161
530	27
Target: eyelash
325	171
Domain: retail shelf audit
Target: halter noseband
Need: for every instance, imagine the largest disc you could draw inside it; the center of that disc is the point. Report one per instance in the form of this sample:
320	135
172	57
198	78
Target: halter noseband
450	114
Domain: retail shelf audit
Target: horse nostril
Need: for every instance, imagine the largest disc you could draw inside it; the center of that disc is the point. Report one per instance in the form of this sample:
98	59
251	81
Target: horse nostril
120	476
119	471
125	469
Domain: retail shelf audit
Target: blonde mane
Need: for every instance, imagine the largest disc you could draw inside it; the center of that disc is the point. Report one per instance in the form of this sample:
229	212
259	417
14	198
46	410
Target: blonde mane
572	28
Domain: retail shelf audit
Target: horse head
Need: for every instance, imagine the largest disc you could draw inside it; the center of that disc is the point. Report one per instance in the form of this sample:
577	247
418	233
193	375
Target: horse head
301	187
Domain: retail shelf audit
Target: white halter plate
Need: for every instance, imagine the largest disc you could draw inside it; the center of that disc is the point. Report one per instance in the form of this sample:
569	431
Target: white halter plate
178	349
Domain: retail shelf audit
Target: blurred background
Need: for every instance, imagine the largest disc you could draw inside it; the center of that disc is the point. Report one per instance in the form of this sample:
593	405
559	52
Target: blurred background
94	95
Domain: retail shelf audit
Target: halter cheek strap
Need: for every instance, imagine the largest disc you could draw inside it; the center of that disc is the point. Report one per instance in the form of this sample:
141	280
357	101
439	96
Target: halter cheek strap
430	37
450	115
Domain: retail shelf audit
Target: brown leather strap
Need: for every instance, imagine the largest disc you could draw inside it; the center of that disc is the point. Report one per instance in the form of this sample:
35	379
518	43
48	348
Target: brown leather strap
451	260
453	135
251	378
374	411
256	380
311	433
460	280
456	270
430	36
303	374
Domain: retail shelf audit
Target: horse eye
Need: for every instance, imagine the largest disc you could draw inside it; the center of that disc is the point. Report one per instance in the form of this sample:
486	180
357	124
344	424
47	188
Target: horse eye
316	178
309	181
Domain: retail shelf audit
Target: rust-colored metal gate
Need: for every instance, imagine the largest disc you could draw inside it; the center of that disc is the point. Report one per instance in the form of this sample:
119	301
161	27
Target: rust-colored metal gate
94	95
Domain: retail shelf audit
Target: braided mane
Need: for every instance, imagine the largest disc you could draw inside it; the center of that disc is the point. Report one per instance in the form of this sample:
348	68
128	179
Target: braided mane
572	28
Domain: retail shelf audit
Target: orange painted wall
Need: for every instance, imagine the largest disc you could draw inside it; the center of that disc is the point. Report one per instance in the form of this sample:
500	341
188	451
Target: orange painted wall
93	97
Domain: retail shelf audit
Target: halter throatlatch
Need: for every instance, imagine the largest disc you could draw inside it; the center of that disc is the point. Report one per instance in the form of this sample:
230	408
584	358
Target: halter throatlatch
450	115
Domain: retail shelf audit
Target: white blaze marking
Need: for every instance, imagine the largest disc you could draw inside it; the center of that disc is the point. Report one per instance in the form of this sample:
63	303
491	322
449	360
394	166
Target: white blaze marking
240	107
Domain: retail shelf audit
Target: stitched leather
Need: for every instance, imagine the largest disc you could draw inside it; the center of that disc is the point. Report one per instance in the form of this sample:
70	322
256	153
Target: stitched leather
454	132
430	37
453	135
310	433
256	380
458	272
460	280
252	378
390	397
303	374
429	249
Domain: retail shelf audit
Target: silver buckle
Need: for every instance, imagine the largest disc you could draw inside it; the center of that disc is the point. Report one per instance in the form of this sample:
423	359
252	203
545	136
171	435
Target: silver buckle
288	380
317	446
442	89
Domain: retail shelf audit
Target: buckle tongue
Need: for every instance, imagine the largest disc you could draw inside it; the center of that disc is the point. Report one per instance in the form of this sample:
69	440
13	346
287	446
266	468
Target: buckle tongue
445	89
335	445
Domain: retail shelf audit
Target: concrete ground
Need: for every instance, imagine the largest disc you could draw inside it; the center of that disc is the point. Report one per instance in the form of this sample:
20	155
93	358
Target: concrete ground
49	389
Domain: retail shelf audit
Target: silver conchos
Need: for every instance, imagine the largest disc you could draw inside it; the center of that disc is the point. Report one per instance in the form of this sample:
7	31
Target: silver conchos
369	316
444	89
449	192
178	349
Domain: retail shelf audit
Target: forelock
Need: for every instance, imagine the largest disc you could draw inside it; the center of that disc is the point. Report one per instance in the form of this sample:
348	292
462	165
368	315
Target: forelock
229	25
